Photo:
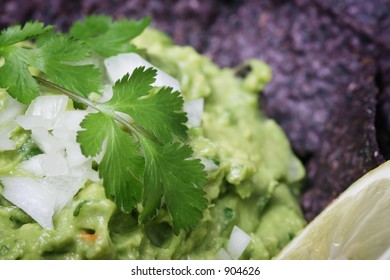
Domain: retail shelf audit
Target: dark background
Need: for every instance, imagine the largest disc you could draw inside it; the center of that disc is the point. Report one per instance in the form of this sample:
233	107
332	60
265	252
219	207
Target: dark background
330	62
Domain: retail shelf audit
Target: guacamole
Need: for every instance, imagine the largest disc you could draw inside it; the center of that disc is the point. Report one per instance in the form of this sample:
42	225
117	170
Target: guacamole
253	179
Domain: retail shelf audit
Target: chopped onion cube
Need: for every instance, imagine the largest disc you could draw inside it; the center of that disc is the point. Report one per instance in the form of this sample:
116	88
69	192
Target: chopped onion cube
30	122
32	197
209	164
32	166
74	155
65	137
13	109
194	110
64	188
44	111
49	106
10	109
5	143
41	198
237	243
54	164
223	255
45	141
70	120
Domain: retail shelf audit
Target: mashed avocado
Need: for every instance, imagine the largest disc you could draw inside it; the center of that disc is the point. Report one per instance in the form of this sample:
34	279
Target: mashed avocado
253	182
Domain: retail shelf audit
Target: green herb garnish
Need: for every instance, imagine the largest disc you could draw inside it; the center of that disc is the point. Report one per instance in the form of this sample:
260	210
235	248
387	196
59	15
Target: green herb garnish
146	160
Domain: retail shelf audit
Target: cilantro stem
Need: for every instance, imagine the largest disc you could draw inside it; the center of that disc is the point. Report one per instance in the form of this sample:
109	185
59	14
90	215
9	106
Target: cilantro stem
72	95
89	103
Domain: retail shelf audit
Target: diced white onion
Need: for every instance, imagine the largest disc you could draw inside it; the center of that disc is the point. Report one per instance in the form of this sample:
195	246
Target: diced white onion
119	65
41	198
30	122
74	155
11	111
32	166
64	188
49	106
194	110
44	111
209	164
70	120
31	196
5	143
45	141
64	136
54	177
54	164
223	255
237	243
85	170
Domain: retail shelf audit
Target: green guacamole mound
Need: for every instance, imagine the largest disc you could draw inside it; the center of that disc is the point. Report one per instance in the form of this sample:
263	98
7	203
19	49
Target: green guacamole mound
255	182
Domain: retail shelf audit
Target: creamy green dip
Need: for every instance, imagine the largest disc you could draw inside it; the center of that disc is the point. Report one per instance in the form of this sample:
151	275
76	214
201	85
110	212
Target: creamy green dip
254	186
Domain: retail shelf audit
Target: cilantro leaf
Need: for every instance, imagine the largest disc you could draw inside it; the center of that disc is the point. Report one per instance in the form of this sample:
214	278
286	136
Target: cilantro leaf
17	33
170	171
59	58
122	165
14	73
159	113
16	78
106	37
92	137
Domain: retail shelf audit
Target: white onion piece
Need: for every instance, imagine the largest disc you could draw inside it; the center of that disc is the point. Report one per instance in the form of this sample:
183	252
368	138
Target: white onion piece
70	120
93	175
29	122
64	188
119	65
64	136
85	170
48	106
223	255
54	164
5	143
74	155
45	141
209	165
32	166
32	197
44	111
41	198
13	109
194	110
237	243
7	124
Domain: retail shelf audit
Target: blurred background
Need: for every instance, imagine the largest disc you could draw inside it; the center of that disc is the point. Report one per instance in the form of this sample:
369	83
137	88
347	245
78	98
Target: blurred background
330	61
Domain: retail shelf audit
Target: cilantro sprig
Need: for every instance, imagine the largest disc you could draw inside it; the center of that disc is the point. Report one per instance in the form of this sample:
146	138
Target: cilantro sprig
107	37
146	162
57	58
